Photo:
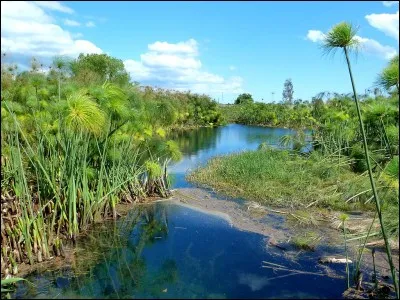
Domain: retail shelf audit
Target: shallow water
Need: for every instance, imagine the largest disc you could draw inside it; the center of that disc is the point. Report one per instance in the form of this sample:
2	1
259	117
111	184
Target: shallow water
170	251
164	250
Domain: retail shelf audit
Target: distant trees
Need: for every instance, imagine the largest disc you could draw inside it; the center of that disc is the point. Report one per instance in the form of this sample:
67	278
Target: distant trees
97	68
244	99
287	95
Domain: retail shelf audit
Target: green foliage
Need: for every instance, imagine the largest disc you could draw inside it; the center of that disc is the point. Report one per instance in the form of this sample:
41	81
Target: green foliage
389	77
73	148
99	68
285	179
82	113
343	35
244	99
340	36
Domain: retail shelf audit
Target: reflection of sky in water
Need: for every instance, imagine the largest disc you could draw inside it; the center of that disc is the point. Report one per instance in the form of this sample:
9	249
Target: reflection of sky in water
172	251
223	140
200	256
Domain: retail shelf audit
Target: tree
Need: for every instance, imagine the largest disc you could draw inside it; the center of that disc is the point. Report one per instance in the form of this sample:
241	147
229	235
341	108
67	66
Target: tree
244	99
343	36
103	66
287	95
377	92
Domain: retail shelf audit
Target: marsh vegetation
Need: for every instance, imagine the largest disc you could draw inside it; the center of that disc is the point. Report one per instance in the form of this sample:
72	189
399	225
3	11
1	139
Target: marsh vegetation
78	139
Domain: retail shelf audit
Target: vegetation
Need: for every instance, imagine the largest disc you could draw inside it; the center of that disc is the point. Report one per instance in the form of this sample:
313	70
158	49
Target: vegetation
389	77
342	36
270	114
285	179
244	98
287	94
76	141
350	142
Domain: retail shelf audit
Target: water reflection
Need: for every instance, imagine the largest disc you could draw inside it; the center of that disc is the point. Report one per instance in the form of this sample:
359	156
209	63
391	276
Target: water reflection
200	145
170	251
191	141
109	263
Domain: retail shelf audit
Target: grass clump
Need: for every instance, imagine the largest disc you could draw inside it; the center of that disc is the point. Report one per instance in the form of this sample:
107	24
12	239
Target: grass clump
285	179
307	241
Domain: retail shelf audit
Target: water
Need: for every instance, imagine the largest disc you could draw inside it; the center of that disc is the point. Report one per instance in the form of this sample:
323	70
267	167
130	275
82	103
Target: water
164	250
198	146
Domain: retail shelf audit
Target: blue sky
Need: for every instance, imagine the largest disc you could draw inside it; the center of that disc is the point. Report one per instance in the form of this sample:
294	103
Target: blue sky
210	47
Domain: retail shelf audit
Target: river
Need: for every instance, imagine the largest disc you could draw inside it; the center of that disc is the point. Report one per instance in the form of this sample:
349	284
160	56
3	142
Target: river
165	250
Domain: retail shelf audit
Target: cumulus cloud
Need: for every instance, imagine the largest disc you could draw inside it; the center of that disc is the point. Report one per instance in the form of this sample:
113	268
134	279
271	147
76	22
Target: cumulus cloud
375	48
72	23
188	47
390	3
177	66
28	30
387	23
315	35
90	24
368	46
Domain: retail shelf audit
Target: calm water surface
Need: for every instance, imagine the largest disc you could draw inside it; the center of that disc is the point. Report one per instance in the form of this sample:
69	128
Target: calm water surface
200	145
164	250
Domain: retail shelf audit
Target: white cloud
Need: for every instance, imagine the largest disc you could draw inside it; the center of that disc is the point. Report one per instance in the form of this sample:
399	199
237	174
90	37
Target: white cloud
170	61
28	30
368	46
176	66
90	24
232	68
315	35
77	35
54	5
387	23
72	23
390	3
188	47
23	10
375	48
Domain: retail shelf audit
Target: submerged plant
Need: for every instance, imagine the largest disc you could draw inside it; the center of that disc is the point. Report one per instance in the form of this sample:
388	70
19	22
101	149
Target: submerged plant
344	218
343	36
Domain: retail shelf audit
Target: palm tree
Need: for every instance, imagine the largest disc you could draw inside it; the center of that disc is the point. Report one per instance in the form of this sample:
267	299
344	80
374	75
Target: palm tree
343	36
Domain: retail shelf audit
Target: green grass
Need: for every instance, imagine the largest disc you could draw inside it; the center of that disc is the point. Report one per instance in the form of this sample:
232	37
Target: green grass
284	179
307	241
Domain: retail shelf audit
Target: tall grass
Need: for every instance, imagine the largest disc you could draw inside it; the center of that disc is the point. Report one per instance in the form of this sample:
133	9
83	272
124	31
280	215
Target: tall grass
286	179
343	36
58	182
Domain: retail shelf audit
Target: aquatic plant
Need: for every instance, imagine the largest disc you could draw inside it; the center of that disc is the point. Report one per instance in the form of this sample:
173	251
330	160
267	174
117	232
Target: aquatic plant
343	36
343	218
72	151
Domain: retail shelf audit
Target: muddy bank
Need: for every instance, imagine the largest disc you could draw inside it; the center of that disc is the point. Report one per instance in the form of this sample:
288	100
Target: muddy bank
281	226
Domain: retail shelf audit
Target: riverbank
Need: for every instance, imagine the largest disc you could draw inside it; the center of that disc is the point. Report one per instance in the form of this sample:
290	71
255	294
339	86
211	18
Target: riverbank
286	179
312	184
282	226
279	229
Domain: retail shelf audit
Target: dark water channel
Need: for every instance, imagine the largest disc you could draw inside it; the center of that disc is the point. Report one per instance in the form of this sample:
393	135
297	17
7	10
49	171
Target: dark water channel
164	250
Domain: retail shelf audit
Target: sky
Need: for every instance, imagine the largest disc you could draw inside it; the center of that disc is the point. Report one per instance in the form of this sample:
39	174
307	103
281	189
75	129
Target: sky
219	48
